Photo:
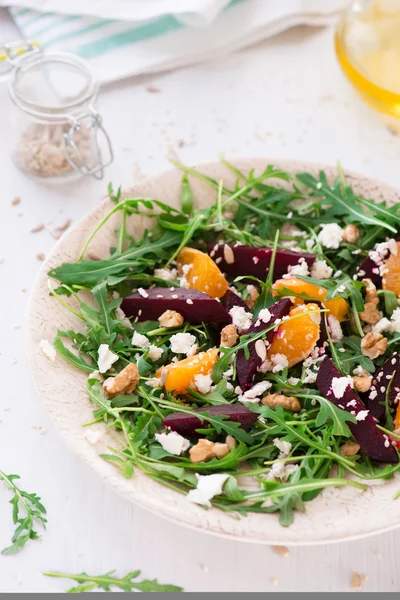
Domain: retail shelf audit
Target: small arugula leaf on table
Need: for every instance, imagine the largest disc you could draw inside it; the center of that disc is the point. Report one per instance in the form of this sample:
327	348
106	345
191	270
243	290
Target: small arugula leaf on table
27	511
108	581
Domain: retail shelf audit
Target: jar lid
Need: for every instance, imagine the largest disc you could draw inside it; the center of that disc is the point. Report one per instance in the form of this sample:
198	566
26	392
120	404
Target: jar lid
51	83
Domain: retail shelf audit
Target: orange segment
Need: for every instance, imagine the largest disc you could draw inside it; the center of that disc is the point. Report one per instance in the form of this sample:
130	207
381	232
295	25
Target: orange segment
296	338
204	274
180	375
391	273
396	421
337	306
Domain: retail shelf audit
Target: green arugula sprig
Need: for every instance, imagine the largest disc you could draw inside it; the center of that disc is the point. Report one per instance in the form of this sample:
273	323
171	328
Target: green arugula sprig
108	581
27	510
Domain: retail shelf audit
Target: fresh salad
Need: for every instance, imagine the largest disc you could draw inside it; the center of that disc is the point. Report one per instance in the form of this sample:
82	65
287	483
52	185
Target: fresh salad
245	354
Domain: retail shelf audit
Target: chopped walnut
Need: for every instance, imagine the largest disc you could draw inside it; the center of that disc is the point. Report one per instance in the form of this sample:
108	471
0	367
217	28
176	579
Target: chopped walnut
362	383
205	450
124	383
351	234
170	318
370	314
229	336
349	448
288	402
282	551
357	581
230	442
253	296
373	345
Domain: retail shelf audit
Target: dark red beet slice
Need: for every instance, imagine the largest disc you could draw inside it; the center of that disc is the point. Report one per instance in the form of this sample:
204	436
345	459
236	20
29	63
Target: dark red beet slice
194	306
247	368
256	261
388	373
186	425
230	299
370	270
372	441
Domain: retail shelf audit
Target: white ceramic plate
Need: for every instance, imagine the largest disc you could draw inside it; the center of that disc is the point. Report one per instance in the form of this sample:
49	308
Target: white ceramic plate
337	514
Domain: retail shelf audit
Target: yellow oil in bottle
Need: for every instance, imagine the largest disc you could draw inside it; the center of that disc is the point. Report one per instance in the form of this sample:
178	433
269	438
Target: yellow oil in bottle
368	48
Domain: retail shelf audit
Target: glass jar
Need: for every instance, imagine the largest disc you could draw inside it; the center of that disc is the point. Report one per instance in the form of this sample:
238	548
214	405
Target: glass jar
367	42
57	134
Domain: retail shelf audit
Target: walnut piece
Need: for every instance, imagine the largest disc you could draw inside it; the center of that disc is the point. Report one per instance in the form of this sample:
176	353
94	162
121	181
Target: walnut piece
357	581
124	383
230	442
282	551
362	383
170	318
253	297
229	336
349	448
205	450
288	402
373	345
370	314
351	234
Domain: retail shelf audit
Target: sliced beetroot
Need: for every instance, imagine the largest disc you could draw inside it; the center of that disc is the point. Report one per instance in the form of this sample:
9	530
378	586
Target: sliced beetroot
369	270
230	299
247	368
387	375
186	425
194	306
256	261
372	441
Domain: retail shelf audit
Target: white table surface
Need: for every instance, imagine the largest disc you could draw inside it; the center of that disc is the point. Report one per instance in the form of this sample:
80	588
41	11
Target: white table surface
284	98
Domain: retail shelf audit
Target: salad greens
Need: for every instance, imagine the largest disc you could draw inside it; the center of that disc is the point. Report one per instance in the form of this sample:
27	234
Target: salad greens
274	210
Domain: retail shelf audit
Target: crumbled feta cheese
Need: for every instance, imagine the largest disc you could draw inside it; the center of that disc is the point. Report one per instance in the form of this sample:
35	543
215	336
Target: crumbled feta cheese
182	343
335	329
48	350
155	353
340	385
279	362
392	245
241	318
254	393
166	274
300	269
186	269
204	383
264	315
293	380
309	244
320	270
373	394
281	471
173	442
140	341
143	293
93	435
106	358
330	235
362	415
360	372
283	447
228	374
395	319
208	486
383	325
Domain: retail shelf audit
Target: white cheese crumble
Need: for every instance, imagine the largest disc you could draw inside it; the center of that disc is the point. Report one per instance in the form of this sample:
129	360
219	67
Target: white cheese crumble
395	319
283	447
281	471
93	435
264	315
166	274
241	318
140	341
182	343
335	329
320	270
279	362
340	385
106	358
330	235
300	269
208	486
173	442
254	393
383	325
362	415
48	350
203	383
155	353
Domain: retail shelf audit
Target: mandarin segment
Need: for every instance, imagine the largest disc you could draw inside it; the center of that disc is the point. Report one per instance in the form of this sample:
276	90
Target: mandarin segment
297	337
180	375
391	272
337	306
204	274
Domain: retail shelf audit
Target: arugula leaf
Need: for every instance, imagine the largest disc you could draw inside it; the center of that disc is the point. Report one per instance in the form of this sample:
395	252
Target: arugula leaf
107	581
